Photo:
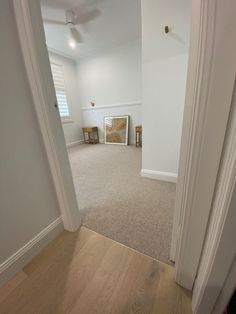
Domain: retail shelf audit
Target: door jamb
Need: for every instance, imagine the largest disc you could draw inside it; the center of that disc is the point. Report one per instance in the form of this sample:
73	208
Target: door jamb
219	252
210	83
226	291
198	112
67	201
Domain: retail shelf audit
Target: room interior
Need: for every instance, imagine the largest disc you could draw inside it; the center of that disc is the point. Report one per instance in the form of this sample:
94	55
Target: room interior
49	263
112	62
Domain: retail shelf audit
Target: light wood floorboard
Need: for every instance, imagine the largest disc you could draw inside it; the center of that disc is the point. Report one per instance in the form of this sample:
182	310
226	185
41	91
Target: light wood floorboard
86	273
11	285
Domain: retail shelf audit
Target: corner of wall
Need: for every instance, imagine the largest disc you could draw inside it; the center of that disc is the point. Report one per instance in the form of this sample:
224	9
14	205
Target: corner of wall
27	252
159	175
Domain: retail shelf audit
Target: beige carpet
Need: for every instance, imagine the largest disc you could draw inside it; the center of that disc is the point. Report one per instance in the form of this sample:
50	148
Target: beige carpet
116	202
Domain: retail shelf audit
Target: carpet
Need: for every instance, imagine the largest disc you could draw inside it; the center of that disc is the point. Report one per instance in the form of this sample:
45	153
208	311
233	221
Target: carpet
115	201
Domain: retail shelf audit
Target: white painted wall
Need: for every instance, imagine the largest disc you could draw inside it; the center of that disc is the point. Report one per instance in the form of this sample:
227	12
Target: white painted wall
163	102
164	71
96	117
28	202
111	77
72	130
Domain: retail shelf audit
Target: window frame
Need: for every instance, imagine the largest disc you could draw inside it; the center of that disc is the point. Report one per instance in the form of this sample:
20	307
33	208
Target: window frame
65	119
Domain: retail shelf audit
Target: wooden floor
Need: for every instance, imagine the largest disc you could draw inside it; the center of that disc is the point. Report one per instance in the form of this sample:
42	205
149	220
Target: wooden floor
86	273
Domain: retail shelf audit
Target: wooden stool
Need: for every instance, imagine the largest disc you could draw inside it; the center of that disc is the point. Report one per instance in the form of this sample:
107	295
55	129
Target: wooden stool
138	132
92	132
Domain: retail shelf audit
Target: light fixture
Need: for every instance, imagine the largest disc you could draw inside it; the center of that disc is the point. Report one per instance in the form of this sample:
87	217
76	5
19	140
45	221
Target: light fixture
72	44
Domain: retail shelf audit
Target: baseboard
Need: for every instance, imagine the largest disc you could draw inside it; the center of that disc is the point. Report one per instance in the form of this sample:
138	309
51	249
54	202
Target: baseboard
72	144
102	141
22	257
159	175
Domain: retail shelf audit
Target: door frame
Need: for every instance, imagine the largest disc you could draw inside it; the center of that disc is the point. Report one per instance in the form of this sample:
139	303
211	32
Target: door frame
56	154
210	83
215	280
226	291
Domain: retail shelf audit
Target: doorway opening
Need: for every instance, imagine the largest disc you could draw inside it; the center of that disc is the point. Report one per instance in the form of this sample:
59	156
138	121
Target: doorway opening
109	61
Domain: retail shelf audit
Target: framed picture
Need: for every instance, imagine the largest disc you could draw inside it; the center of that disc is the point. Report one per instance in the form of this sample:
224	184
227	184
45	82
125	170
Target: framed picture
116	130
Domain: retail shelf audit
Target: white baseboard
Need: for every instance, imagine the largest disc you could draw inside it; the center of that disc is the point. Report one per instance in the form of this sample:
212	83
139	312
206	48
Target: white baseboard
102	141
72	144
22	257
159	175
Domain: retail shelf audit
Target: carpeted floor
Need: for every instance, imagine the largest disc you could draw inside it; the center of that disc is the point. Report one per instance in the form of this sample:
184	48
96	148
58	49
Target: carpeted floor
117	202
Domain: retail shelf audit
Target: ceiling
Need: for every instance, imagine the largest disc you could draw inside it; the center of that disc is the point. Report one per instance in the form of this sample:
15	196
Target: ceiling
118	23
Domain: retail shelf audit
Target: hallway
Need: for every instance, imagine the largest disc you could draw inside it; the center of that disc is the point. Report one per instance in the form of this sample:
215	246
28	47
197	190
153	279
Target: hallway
84	272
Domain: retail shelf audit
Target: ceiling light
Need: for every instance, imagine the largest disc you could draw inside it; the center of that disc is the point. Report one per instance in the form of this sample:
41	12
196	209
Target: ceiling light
72	44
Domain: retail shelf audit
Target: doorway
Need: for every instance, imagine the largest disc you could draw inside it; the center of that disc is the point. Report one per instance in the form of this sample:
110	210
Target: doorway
113	198
226	72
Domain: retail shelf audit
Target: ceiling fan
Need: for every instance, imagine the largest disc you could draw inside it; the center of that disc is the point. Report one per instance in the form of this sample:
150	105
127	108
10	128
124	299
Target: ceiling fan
73	19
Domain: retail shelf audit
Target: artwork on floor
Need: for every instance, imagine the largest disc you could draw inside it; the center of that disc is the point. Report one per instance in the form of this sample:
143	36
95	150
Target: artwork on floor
116	130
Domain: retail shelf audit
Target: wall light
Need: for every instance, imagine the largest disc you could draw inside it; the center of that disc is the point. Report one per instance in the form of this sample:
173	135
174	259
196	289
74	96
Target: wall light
72	44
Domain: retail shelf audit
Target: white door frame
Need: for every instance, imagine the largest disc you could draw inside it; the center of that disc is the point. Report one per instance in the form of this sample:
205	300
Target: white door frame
226	291
57	154
209	90
210	83
214	282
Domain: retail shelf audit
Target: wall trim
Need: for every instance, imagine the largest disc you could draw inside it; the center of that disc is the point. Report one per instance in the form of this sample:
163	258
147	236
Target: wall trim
227	291
159	175
209	85
204	295
13	258
21	257
72	144
125	104
68	207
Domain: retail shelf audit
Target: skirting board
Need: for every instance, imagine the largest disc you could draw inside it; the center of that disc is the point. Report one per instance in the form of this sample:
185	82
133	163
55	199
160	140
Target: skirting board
72	144
22	257
159	175
102	141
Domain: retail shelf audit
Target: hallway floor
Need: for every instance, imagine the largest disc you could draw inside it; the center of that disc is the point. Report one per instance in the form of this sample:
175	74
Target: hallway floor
87	273
117	202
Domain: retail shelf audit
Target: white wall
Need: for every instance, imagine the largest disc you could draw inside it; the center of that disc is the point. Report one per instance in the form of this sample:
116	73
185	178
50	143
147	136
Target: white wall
28	202
111	77
72	130
96	117
164	71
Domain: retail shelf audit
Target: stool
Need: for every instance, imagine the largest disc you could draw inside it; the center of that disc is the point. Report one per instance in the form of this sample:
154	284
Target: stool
138	132
92	134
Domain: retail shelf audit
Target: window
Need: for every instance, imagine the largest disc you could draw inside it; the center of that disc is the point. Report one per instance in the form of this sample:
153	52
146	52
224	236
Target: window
58	78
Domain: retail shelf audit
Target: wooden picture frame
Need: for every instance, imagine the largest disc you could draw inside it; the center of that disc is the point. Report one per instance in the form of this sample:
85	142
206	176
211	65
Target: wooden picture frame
116	130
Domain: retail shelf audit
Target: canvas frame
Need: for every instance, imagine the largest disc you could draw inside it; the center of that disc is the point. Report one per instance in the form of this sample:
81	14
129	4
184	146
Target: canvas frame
127	130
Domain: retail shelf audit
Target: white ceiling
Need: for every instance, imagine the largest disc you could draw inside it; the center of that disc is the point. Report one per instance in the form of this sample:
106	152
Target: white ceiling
118	23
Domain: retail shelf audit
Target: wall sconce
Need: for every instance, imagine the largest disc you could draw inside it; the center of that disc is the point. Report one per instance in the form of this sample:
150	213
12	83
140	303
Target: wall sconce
167	29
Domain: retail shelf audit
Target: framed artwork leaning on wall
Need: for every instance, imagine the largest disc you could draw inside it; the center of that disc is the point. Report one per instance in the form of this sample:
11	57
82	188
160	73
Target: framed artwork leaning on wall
116	130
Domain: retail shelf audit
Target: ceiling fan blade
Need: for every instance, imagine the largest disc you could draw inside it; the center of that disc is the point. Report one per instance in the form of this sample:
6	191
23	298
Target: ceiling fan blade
76	35
82	18
54	22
